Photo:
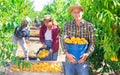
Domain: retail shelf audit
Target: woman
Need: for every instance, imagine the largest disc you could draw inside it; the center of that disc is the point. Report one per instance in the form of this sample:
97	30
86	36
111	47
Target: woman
49	36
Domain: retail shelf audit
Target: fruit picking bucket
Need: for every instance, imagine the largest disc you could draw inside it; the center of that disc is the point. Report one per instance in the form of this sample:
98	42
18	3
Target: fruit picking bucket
77	50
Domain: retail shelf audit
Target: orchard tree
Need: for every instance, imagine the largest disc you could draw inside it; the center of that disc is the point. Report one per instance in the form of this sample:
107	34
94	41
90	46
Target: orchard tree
11	14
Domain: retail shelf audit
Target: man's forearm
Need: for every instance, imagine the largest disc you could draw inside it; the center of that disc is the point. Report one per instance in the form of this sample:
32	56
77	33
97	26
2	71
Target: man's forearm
90	49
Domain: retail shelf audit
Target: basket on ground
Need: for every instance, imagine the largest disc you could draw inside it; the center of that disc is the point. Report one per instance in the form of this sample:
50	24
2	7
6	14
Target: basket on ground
43	53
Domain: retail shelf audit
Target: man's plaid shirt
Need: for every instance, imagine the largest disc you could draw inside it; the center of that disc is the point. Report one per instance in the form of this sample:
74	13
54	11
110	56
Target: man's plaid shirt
84	30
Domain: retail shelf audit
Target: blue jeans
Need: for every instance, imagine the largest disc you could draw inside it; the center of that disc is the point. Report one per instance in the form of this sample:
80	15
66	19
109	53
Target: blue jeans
52	56
82	69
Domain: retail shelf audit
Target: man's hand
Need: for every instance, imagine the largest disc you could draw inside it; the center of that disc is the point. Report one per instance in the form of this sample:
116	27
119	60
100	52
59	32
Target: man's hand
83	58
27	41
70	58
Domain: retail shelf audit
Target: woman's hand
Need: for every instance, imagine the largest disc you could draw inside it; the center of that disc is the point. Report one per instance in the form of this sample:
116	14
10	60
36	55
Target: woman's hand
51	51
44	45
70	58
83	58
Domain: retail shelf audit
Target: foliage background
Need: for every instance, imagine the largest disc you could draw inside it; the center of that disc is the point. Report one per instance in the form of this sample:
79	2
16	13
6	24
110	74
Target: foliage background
12	12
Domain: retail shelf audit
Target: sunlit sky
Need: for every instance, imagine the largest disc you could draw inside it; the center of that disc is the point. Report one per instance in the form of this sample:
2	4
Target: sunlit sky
39	4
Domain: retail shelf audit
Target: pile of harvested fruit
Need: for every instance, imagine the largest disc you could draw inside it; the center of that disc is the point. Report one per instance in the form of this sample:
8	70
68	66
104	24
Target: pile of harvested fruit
76	40
43	53
38	67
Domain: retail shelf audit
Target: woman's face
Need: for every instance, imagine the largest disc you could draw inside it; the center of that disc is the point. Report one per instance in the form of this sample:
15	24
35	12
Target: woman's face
77	14
48	23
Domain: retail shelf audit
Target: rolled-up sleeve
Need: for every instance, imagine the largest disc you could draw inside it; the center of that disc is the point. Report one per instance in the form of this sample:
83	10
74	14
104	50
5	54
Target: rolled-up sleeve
91	40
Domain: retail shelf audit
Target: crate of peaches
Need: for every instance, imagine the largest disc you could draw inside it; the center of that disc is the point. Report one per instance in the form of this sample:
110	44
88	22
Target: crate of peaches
76	46
36	68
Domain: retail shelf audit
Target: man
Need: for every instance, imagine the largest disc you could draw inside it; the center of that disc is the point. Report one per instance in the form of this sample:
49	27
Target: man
36	22
78	28
22	35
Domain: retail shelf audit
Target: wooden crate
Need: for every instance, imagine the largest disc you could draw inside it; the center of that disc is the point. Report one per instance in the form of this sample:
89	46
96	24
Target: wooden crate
9	72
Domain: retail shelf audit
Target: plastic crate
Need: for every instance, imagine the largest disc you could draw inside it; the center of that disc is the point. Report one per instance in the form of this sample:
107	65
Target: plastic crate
31	58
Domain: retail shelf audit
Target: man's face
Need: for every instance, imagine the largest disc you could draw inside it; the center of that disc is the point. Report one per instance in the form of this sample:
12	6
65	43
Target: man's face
77	14
24	22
